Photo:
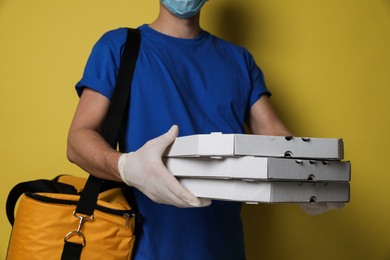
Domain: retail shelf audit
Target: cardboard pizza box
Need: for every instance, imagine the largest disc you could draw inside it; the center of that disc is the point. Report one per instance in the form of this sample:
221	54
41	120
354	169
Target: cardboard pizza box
267	192
260	169
228	145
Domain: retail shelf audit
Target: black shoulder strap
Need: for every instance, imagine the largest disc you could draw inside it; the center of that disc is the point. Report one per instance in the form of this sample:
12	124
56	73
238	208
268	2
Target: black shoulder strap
119	101
114	119
121	93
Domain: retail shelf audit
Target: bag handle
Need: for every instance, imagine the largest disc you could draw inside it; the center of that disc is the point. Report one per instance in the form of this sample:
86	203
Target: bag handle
119	101
46	186
34	186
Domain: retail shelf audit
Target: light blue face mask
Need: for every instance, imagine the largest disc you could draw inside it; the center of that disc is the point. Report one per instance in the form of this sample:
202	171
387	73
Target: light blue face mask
183	8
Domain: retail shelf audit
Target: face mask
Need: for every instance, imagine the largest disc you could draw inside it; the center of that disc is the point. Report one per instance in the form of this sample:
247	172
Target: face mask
183	8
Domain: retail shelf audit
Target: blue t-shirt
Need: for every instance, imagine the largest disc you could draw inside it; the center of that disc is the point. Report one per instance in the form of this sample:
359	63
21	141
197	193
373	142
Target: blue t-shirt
203	85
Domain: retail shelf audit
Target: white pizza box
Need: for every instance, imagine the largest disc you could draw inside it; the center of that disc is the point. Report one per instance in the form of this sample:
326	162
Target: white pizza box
260	168
256	145
267	192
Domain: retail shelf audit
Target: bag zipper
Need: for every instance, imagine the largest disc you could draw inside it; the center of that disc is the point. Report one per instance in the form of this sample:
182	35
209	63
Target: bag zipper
127	214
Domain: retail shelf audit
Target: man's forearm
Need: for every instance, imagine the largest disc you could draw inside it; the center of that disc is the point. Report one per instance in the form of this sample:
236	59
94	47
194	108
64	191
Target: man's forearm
88	149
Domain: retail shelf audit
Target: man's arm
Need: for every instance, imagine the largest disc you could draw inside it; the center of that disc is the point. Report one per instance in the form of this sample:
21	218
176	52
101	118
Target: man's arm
142	169
86	147
263	120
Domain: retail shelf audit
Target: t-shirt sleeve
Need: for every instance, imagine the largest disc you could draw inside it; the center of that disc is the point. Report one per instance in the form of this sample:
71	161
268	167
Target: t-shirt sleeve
103	63
257	80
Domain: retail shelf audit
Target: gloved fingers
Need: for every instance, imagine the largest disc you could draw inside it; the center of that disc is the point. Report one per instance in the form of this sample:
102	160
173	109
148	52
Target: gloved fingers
336	206
145	170
193	203
205	202
320	207
160	144
177	190
173	199
164	188
314	208
163	195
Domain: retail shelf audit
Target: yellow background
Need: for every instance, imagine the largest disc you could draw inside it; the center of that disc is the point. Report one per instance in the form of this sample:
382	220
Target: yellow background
327	64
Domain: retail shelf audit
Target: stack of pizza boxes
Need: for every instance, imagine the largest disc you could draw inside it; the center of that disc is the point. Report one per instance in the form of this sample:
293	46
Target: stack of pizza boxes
261	169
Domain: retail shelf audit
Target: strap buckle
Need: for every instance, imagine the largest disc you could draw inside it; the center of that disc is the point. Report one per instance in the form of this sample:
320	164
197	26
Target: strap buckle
82	218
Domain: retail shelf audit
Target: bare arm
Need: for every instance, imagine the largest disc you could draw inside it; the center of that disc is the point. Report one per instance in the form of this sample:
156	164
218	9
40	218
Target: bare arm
86	147
142	169
263	120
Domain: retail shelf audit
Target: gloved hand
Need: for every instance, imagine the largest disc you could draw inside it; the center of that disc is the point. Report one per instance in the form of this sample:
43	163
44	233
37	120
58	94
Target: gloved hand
316	208
145	170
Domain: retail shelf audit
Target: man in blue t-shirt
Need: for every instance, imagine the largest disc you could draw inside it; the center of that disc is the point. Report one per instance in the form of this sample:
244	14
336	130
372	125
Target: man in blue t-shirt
185	78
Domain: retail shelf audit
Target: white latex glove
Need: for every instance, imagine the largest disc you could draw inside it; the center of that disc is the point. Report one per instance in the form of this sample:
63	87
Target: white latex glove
316	208
145	170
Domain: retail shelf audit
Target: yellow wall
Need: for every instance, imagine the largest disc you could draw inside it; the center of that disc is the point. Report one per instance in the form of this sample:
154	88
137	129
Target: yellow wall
326	62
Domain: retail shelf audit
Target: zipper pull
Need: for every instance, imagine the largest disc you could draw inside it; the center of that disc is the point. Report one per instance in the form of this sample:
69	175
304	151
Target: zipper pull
127	216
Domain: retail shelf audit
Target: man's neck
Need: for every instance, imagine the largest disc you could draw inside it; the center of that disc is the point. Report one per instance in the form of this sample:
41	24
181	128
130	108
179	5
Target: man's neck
171	25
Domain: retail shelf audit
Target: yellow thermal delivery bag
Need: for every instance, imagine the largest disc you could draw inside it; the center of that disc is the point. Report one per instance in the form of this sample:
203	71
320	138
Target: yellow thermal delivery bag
44	222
